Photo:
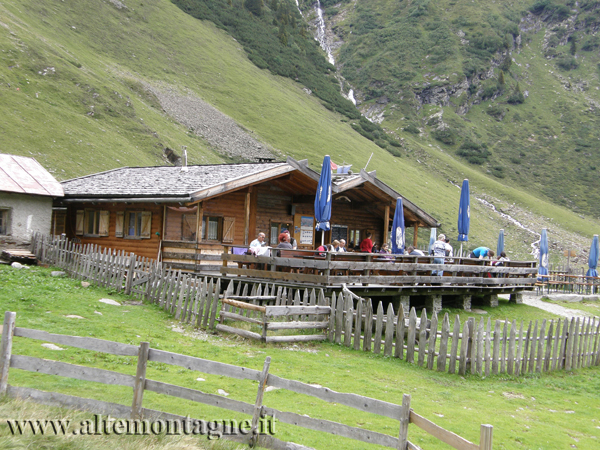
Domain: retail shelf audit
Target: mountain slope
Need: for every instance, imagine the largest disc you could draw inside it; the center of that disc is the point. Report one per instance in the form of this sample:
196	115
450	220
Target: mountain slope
509	88
77	56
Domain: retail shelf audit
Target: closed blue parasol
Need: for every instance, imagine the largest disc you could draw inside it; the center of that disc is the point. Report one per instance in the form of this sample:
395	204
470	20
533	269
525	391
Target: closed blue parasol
323	199
432	238
593	261
398	229
500	246
543	268
464	214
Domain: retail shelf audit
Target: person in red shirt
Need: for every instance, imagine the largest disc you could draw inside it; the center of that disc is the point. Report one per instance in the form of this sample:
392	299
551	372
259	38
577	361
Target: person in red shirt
367	244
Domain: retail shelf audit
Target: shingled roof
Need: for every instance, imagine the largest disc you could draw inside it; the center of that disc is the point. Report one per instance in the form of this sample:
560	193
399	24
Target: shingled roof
23	175
168	183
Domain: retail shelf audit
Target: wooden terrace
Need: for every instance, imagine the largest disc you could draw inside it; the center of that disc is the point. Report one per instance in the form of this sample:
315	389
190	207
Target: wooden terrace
403	278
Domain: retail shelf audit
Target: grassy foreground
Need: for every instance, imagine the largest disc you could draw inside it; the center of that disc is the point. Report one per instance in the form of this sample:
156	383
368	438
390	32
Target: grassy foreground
555	411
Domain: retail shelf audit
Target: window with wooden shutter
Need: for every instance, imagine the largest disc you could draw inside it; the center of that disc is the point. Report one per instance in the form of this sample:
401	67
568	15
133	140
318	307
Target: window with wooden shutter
146	227
79	222
119	220
228	229
103	223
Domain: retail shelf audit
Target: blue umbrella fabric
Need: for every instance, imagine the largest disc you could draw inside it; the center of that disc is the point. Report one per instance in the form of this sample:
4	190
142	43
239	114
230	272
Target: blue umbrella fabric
593	261
323	197
543	268
432	238
500	246
464	212
398	229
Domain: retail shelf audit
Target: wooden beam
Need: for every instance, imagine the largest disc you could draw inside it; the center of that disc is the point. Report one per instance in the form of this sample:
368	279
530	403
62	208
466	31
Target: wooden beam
386	223
247	217
199	216
415	235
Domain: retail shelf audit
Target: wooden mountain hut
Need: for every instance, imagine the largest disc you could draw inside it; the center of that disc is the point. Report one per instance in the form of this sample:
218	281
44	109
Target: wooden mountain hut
186	216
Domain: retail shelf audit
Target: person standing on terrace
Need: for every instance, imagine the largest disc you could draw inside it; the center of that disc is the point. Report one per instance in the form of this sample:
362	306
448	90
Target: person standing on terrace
366	244
438	250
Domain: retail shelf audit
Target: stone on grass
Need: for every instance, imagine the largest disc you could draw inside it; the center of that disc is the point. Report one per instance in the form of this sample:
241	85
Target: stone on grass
98	312
74	316
52	347
200	379
222	392
16	265
58	273
108	301
478	311
85	284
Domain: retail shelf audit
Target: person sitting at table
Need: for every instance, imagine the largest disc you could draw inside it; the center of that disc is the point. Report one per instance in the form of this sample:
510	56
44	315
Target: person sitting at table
414	251
482	252
366	244
259	241
284	241
385	249
342	247
335	245
291	240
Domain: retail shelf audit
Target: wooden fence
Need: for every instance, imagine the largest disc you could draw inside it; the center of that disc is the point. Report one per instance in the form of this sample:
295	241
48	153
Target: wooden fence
275	314
140	383
511	348
477	347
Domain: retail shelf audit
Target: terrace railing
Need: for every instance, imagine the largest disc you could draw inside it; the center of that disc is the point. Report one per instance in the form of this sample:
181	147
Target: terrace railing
328	268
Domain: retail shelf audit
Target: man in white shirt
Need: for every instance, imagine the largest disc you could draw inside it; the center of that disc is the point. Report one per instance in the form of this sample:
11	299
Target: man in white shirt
259	241
342	246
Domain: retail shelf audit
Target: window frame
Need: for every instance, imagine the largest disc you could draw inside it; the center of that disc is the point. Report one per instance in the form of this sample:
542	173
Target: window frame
139	224
101	222
204	232
5	216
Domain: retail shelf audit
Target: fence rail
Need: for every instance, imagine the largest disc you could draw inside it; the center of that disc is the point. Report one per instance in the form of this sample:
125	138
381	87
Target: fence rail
139	383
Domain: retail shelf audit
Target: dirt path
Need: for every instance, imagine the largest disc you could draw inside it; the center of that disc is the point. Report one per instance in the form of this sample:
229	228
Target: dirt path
536	301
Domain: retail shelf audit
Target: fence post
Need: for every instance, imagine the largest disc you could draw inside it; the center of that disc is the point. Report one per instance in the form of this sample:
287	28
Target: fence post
140	381
130	271
262	384
6	349
404	421
485	437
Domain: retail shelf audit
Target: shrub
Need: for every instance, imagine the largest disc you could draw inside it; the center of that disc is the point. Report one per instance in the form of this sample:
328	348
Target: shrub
489	91
411	129
496	111
517	97
590	44
567	63
473	152
498	171
446	136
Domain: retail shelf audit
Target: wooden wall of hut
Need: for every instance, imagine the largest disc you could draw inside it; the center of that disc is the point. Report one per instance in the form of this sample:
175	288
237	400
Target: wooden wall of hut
141	247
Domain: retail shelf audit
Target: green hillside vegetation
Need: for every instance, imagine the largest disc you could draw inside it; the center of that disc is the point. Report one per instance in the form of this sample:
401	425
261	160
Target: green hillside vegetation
76	56
533	122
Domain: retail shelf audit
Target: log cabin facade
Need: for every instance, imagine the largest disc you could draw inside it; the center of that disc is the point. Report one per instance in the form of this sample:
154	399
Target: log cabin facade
185	216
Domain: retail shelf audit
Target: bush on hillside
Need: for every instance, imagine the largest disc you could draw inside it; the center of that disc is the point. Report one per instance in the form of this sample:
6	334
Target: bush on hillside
567	62
446	136
517	97
473	152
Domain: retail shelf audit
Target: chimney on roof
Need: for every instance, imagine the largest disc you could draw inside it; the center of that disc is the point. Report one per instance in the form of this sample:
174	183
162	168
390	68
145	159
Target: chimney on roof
184	167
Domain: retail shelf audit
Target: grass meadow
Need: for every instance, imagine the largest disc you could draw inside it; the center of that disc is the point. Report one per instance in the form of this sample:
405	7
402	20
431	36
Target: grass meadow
550	411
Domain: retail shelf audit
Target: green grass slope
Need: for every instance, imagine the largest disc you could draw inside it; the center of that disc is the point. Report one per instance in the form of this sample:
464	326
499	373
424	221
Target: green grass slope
72	94
549	411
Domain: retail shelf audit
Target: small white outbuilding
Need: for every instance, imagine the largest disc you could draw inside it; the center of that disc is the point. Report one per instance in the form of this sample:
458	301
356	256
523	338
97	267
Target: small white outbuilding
26	194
